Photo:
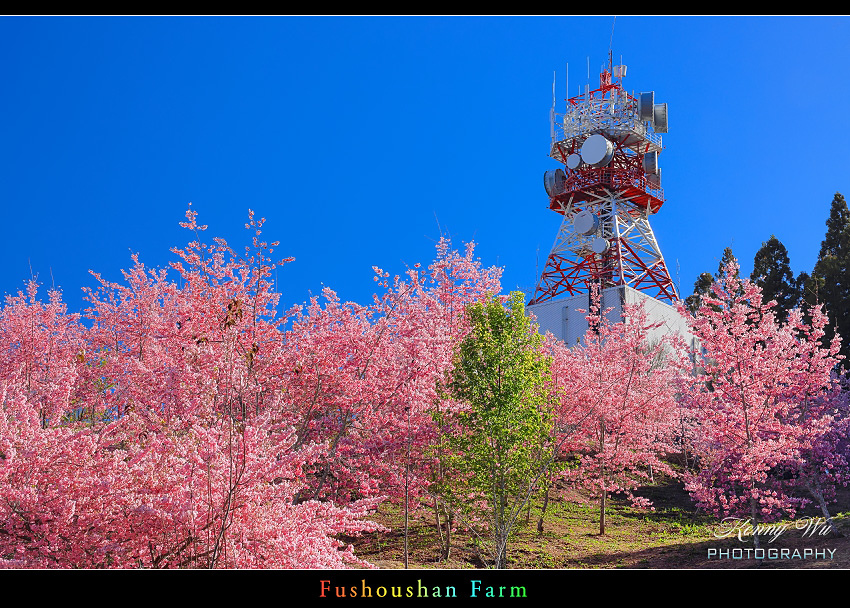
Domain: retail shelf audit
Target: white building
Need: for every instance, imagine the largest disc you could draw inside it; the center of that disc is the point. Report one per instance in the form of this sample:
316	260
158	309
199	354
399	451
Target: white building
565	319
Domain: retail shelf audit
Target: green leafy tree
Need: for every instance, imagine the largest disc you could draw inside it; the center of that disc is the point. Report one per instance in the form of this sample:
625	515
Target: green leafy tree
772	273
501	450
830	281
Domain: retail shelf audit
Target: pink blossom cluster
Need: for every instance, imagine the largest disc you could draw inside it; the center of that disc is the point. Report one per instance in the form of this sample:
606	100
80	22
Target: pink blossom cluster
187	424
616	405
768	419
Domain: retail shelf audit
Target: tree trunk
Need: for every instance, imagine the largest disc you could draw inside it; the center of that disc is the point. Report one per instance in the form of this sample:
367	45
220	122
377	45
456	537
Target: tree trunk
602	500
406	531
754	522
816	492
447	547
543	510
502	554
437	519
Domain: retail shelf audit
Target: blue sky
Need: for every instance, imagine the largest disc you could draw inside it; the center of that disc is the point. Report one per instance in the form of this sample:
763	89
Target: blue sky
360	138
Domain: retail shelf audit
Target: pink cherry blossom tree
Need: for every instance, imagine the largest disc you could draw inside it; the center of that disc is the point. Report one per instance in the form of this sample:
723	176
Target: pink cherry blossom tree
192	424
762	397
617	404
158	436
365	379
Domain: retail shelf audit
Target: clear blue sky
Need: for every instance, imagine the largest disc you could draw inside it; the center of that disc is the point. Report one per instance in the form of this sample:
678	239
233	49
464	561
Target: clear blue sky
355	136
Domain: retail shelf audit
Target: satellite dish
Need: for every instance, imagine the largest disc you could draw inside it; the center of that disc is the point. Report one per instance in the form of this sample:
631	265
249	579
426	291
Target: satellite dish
659	118
646	105
574	161
597	151
554	182
650	162
585	222
600	245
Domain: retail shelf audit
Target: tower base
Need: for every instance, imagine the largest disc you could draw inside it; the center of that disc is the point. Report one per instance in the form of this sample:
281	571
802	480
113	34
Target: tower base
563	318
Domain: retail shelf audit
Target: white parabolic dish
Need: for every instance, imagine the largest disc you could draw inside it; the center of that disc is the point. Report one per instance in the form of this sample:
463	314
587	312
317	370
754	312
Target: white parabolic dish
585	222
597	150
599	245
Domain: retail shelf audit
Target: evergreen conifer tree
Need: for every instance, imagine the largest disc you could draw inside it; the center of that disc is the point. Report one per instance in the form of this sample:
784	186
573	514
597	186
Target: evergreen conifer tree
727	257
702	287
772	273
830	280
801	283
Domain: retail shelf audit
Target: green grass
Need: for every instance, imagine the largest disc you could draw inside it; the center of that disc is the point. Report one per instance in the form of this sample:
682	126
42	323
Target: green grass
674	535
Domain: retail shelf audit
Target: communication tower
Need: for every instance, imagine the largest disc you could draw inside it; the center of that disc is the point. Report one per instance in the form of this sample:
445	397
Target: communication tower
609	142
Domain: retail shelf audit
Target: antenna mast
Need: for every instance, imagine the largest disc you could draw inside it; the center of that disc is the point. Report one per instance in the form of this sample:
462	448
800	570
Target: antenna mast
552	111
611	41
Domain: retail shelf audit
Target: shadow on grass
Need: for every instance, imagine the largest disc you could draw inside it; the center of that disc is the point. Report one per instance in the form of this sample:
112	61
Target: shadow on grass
674	536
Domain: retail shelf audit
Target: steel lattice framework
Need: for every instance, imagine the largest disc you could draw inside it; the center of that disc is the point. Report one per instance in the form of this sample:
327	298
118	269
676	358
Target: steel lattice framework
618	188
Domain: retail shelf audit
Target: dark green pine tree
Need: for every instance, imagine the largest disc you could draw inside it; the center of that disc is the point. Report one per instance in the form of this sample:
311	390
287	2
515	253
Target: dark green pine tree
800	284
702	286
830	280
772	272
720	275
728	256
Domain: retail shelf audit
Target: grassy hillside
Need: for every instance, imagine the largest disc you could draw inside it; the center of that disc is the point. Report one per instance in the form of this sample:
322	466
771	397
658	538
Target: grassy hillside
675	535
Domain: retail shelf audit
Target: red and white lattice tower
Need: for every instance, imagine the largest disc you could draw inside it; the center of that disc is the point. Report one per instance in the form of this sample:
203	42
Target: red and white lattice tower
609	142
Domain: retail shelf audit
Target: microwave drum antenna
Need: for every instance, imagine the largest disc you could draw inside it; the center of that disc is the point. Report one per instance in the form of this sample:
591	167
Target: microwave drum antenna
554	182
646	106
597	150
585	222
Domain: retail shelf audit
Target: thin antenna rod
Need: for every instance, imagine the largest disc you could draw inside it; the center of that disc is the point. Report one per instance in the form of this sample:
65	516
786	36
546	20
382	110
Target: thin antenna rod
678	280
553	89
611	42
552	112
